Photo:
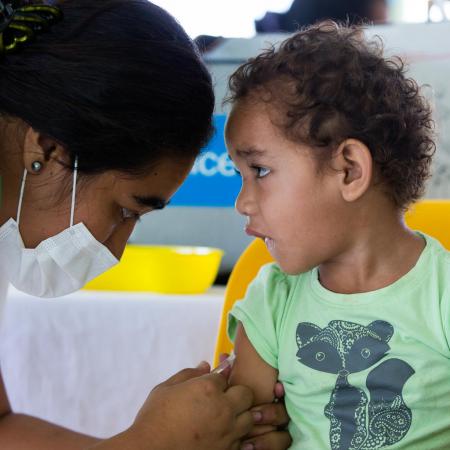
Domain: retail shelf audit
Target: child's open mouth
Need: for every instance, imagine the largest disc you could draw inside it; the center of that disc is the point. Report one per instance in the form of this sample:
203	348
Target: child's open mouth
267	240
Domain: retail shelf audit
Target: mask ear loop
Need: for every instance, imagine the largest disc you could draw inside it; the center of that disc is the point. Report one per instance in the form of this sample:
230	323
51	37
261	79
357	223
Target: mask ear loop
22	190
74	187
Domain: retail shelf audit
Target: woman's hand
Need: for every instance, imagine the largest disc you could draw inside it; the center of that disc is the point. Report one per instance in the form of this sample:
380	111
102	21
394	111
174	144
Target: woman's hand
193	410
270	421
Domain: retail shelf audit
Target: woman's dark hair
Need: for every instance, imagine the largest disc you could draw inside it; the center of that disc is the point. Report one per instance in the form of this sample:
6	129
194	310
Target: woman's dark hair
331	84
117	82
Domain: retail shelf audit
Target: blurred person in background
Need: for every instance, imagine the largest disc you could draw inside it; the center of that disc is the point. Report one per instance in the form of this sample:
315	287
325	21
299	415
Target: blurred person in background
306	12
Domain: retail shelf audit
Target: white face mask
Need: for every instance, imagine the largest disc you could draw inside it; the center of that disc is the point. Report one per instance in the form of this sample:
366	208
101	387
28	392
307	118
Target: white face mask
58	265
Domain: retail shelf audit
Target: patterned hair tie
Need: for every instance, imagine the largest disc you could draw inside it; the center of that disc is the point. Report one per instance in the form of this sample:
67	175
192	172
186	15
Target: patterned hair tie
20	24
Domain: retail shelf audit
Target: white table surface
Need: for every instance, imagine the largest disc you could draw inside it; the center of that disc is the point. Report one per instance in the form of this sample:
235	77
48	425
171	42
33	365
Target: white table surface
87	361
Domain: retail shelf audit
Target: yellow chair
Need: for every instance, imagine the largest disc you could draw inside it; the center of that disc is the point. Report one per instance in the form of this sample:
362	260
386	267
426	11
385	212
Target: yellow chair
433	218
430	216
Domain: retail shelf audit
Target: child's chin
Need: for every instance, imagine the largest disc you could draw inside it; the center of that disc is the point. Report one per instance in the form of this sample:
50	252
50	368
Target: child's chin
292	268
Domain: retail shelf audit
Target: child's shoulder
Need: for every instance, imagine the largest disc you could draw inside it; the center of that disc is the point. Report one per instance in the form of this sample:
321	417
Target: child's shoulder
441	255
436	269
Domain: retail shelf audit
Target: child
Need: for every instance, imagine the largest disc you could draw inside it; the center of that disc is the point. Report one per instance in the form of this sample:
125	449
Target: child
333	143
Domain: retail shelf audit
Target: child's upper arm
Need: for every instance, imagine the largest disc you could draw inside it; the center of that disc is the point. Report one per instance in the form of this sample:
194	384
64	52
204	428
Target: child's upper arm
249	369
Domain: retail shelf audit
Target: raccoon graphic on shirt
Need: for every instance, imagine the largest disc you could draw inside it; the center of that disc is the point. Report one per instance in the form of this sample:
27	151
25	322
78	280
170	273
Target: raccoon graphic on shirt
342	348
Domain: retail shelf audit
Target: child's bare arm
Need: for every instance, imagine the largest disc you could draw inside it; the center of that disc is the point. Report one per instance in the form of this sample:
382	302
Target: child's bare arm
249	369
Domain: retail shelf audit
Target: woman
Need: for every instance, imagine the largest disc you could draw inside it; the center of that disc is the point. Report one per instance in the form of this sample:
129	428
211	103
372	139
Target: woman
104	106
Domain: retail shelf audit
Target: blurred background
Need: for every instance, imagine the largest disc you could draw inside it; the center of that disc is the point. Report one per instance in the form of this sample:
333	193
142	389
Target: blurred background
236	18
228	33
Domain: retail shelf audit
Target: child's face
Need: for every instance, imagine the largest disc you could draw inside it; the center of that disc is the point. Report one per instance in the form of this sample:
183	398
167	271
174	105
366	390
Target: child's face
288	202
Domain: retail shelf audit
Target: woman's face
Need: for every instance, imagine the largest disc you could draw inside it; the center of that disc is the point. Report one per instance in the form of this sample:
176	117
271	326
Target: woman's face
109	204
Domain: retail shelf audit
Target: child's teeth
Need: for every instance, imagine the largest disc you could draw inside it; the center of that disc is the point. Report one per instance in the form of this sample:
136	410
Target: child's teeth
269	242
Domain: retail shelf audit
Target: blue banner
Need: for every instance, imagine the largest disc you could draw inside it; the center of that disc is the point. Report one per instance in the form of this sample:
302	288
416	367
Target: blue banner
213	180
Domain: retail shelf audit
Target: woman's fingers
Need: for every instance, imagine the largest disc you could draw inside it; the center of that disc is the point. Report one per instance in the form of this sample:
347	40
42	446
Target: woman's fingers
195	411
274	414
258	430
277	440
279	390
244	423
187	374
241	399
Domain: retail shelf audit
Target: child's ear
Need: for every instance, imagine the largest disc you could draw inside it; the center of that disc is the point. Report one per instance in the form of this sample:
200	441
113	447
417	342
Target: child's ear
354	162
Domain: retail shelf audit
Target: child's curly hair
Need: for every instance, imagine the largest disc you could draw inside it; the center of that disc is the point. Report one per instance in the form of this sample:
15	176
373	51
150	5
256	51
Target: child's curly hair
332	84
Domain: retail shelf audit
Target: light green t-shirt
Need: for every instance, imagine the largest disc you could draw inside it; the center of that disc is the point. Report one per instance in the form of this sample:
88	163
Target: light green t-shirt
360	371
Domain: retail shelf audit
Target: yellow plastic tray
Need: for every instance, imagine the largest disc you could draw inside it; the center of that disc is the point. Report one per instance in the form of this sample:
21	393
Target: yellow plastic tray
163	269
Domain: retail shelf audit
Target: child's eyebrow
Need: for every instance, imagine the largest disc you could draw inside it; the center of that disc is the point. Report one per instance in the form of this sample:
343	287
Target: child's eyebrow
248	152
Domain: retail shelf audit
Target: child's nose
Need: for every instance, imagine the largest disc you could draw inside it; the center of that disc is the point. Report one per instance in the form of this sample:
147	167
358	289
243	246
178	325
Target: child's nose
245	204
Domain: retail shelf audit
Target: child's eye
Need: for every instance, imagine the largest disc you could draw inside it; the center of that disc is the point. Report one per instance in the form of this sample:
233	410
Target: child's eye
128	214
237	172
261	172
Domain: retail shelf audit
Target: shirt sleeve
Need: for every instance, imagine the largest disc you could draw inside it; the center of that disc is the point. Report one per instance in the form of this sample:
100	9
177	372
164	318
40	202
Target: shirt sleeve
261	311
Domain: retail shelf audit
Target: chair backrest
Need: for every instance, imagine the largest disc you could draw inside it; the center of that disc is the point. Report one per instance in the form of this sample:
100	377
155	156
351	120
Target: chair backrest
430	216
433	218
